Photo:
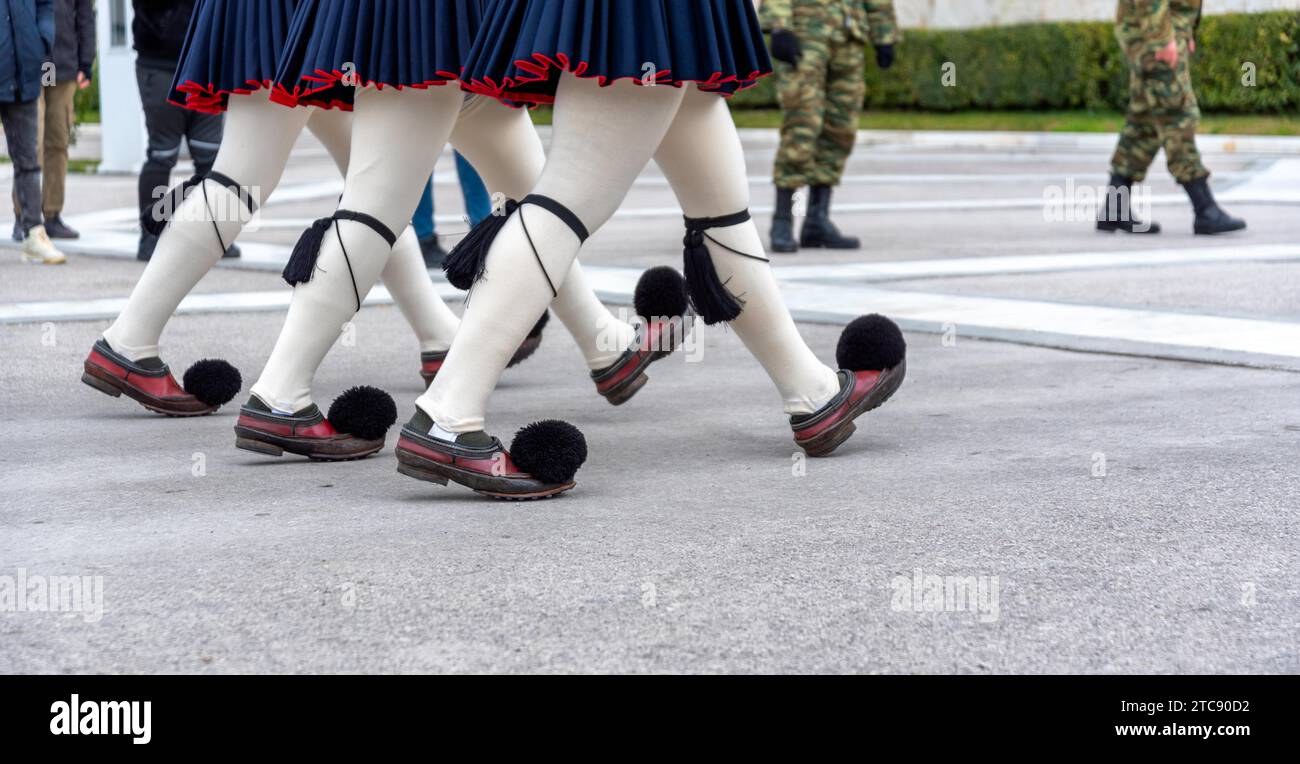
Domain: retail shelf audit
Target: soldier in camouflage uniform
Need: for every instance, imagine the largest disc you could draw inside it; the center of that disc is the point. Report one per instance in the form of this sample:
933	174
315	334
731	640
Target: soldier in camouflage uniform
1158	38
819	46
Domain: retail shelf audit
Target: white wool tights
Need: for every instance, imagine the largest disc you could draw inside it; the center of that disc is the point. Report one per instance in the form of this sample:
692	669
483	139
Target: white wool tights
603	138
259	136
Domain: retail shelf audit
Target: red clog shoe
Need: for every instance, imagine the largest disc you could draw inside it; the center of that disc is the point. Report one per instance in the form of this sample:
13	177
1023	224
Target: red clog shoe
660	301
540	464
209	384
355	428
872	354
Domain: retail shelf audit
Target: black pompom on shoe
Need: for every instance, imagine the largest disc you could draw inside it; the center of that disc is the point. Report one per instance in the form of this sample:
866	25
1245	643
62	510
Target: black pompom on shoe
213	382
550	450
871	343
660	294
366	412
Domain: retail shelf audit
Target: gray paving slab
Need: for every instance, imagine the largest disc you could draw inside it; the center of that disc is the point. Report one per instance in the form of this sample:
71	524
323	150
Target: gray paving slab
690	544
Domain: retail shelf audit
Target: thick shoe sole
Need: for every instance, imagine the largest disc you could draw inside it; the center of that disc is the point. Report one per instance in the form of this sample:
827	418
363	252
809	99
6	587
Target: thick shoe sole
820	245
416	466
825	443
111	386
1117	228
38	260
273	445
1202	231
626	391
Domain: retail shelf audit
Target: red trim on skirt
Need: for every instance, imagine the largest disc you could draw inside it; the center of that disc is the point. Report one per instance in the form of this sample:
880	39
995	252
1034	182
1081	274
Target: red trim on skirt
541	67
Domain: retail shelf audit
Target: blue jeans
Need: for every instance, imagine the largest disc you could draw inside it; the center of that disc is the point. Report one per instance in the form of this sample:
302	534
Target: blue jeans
477	202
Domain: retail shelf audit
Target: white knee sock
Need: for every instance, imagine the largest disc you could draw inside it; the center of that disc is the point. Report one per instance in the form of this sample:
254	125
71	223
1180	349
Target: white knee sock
503	146
386	173
258	138
602	336
408	282
603	138
405	276
704	162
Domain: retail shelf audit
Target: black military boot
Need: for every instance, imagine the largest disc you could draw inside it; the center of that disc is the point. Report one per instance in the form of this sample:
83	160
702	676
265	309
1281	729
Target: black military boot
818	230
1210	217
1116	213
783	222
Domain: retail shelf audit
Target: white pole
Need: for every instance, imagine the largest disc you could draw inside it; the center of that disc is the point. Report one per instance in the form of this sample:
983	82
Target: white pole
121	116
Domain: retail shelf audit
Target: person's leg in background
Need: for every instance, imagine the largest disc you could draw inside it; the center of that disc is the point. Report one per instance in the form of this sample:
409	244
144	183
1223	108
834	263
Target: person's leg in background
165	124
603	138
844	90
703	159
478	204
60	116
485	128
258	139
40	141
801	90
385	174
405	276
426	230
1177	115
1139	140
20	126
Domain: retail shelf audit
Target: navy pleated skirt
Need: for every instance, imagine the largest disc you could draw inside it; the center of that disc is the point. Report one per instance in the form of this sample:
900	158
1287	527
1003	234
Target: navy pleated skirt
526	44
233	46
335	46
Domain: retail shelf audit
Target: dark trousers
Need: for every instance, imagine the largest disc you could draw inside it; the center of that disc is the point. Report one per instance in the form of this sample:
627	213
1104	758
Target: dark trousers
20	124
167	125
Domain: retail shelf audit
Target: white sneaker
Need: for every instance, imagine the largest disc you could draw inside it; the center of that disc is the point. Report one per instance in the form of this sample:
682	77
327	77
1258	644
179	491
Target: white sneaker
38	249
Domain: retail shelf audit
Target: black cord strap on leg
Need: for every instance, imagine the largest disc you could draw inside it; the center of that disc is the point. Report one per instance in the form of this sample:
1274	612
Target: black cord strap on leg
162	211
565	215
709	296
302	263
155	220
468	260
537	256
561	212
239	191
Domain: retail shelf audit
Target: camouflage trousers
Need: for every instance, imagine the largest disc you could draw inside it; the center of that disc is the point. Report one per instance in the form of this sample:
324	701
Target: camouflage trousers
821	100
1162	113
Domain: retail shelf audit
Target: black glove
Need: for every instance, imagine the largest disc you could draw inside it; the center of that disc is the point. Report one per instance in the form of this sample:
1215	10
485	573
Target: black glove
785	47
884	56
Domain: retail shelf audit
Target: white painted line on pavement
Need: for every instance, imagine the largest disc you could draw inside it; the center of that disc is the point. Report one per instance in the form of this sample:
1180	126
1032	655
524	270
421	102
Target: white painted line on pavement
261	256
1148	333
1162	334
1280	181
220	302
1044	263
1058	324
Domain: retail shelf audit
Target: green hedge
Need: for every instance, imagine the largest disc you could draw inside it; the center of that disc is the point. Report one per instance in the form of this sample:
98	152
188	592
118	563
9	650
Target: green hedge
1077	66
86	101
